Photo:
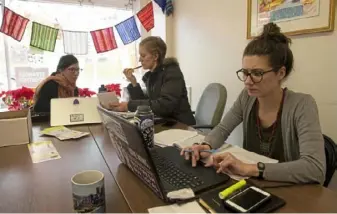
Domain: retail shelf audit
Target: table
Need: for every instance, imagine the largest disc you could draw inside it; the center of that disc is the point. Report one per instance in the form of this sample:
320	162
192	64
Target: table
46	187
299	198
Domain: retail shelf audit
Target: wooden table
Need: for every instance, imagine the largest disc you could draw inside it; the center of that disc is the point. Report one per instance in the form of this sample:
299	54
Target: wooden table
46	187
300	198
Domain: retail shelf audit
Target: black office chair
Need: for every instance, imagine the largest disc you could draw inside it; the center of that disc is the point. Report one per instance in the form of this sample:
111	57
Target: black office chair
331	158
210	107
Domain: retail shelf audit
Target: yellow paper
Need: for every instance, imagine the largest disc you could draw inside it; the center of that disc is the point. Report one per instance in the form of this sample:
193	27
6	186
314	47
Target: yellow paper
43	151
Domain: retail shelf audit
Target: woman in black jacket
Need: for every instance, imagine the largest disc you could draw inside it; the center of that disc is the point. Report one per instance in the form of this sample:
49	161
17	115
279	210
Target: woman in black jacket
60	84
165	84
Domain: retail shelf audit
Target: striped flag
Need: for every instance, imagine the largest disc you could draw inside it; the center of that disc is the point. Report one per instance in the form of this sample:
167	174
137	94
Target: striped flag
146	16
104	40
75	42
43	37
128	30
13	24
161	4
169	7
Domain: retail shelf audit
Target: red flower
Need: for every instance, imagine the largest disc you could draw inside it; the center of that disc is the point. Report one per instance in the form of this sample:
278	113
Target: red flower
85	92
114	87
18	99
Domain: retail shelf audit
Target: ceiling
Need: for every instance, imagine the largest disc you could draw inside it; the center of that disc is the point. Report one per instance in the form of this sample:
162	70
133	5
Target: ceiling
108	3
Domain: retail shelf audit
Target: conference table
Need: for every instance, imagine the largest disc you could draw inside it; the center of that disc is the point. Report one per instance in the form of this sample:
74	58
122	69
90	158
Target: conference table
46	187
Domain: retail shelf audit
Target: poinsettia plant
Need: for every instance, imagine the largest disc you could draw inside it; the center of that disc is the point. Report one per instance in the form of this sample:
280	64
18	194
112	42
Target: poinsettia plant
85	92
22	98
18	99
114	88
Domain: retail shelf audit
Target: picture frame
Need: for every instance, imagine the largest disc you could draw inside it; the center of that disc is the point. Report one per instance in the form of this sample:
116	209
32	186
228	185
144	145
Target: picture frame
294	17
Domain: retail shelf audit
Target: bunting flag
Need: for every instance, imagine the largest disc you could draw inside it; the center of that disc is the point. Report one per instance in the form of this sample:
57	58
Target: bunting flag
128	30
146	16
104	40
169	7
13	24
75	42
43	37
161	4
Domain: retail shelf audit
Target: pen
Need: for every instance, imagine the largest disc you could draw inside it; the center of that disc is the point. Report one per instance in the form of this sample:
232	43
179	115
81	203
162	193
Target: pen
203	150
137	67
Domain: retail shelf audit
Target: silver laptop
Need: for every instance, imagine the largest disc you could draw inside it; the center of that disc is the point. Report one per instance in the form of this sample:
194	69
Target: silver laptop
74	111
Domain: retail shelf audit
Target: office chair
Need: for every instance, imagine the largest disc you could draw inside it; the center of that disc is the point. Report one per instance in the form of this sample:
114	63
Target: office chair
331	158
210	107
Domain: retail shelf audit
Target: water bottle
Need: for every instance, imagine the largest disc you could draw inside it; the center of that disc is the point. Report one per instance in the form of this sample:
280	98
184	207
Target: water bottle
145	120
101	89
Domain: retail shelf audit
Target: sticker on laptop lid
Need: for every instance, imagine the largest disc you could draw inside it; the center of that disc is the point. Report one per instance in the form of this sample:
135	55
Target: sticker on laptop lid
76	118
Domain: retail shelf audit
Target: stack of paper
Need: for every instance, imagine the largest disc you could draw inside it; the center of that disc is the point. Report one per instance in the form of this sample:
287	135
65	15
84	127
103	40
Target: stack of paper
179	137
243	155
43	151
63	133
191	207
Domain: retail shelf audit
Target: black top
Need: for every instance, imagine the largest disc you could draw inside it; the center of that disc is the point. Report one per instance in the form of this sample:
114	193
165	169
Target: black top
48	91
272	149
166	93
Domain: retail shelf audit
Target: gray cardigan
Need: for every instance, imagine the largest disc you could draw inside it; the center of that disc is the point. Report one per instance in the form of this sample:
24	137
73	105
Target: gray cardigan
301	132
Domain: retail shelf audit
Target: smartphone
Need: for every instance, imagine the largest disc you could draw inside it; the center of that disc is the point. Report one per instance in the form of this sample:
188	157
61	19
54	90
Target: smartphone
248	200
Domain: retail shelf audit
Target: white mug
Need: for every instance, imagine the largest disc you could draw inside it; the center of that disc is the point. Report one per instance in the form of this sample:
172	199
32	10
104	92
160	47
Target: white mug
88	192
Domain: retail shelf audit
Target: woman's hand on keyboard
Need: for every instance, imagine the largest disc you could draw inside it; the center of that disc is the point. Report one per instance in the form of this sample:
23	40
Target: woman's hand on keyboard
195	152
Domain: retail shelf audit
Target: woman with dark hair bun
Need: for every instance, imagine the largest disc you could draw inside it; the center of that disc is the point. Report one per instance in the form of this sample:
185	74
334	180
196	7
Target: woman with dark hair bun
60	84
277	122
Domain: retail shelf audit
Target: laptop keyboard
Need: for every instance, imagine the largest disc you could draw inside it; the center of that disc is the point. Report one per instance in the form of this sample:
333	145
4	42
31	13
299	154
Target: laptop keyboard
169	172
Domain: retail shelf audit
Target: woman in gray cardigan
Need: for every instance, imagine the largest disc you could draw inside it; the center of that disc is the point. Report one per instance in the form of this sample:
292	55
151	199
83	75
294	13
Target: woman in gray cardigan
277	122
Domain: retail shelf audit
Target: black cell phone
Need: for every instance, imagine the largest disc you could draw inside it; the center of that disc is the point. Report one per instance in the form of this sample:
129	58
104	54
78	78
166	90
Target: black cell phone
248	200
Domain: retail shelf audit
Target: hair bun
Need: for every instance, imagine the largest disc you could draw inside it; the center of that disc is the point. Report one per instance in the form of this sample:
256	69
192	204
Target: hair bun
273	32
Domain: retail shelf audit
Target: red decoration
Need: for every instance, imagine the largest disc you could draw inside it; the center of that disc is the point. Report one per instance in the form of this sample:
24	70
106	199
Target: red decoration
85	92
114	87
18	99
146	16
104	40
13	24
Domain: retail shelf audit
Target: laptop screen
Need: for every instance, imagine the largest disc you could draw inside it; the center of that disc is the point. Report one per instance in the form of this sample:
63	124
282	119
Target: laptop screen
130	149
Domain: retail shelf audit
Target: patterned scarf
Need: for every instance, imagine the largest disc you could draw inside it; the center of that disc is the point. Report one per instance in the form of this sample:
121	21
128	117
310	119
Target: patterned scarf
66	86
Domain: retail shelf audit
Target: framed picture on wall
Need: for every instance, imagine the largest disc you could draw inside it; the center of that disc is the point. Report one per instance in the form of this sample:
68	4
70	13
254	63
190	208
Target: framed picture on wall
294	17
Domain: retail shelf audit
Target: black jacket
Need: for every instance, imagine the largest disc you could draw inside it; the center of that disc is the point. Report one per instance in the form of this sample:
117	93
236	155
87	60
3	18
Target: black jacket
166	93
48	91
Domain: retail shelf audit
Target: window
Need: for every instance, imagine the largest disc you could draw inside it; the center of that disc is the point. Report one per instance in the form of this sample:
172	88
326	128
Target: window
27	66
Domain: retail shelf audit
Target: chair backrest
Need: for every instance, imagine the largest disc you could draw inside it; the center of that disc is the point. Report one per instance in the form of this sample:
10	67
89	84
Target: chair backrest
211	105
331	158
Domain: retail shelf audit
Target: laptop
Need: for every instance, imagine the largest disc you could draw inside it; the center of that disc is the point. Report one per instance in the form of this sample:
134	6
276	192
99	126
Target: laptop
74	111
162	169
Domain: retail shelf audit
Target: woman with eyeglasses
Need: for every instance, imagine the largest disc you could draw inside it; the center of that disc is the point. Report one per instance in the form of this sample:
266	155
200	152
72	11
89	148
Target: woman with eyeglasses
277	122
60	84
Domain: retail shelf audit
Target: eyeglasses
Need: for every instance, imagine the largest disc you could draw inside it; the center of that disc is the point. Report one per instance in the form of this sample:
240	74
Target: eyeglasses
74	70
256	75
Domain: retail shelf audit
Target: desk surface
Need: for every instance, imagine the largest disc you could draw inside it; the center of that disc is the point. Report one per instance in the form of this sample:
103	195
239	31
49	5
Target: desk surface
46	187
301	198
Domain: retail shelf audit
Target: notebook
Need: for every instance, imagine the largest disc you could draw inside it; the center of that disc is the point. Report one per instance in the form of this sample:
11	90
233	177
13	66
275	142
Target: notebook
214	204
182	138
191	207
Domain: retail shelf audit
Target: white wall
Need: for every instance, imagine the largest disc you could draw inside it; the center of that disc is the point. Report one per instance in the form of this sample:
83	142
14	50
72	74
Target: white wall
209	38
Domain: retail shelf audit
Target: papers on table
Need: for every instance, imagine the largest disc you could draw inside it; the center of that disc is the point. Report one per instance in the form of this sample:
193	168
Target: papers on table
63	133
191	207
43	151
179	137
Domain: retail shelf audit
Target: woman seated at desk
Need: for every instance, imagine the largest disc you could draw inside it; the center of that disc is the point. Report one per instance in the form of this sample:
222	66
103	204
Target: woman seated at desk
60	84
165	84
277	122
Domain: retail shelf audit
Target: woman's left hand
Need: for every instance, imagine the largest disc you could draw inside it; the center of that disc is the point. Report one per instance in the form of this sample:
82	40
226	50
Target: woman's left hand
228	163
122	106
